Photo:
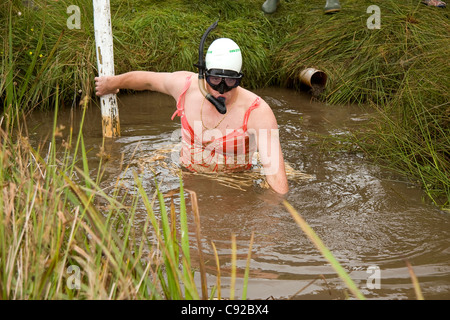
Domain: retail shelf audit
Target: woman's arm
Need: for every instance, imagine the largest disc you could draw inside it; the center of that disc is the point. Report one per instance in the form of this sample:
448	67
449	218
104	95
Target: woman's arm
163	82
262	121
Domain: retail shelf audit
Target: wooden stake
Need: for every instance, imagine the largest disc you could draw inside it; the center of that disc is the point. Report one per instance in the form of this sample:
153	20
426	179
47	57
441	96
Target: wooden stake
105	64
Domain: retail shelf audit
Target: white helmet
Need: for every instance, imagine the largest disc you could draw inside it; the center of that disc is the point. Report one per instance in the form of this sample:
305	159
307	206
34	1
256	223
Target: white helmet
224	54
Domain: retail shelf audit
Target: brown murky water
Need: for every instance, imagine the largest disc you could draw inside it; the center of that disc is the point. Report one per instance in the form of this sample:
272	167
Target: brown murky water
368	217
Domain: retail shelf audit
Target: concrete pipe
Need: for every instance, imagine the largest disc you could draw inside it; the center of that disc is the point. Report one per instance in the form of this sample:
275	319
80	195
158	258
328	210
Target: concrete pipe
313	78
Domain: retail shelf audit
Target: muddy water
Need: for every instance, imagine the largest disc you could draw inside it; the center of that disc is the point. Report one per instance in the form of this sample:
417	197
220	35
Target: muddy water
371	219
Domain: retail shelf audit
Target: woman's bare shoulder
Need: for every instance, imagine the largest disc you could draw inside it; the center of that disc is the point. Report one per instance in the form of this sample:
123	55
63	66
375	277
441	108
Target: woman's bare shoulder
176	81
262	115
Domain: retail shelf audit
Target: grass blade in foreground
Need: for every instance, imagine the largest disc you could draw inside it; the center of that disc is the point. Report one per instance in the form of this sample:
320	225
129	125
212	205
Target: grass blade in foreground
415	282
247	268
324	250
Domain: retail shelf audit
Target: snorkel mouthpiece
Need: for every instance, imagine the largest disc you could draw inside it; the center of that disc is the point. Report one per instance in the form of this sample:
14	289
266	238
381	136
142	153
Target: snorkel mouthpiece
219	103
222	100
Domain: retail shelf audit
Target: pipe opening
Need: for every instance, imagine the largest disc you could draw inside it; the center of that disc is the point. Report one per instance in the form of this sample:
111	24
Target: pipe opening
319	78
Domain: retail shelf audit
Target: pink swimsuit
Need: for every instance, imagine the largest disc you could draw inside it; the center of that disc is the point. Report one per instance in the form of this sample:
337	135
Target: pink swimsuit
231	152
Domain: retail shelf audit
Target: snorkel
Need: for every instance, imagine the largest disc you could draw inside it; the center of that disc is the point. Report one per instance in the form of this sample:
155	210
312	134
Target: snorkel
219	103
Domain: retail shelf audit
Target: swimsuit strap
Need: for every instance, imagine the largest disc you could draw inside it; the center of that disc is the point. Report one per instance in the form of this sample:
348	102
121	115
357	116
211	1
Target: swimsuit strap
254	105
180	102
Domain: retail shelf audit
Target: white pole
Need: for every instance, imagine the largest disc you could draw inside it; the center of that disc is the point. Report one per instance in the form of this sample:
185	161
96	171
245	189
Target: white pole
105	64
